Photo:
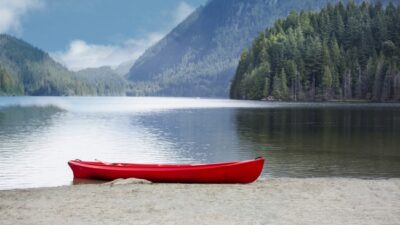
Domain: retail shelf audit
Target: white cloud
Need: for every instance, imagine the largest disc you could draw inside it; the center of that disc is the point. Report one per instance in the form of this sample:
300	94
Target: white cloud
182	12
11	12
80	55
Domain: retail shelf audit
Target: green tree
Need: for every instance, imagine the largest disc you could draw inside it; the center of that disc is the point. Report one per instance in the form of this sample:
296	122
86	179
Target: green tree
343	52
280	89
327	82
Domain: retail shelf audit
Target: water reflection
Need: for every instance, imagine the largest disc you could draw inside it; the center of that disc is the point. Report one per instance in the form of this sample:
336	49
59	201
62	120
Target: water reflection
37	142
39	135
27	122
320	141
20	130
199	135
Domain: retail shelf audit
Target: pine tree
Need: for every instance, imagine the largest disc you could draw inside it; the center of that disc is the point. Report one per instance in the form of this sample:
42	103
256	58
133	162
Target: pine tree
276	88
280	89
294	78
387	85
379	76
242	67
267	88
327	83
359	82
7	84
347	85
396	87
283	86
343	52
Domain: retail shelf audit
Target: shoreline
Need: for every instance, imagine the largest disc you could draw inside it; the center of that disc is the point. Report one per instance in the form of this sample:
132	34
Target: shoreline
273	201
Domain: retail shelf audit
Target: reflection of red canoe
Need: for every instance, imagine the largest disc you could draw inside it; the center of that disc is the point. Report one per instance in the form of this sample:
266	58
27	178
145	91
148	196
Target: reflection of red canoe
228	172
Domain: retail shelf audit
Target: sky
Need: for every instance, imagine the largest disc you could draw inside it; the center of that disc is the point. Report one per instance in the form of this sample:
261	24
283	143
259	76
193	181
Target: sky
92	33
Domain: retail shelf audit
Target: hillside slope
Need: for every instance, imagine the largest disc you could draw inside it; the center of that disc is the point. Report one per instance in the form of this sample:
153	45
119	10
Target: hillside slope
199	56
26	70
104	81
341	53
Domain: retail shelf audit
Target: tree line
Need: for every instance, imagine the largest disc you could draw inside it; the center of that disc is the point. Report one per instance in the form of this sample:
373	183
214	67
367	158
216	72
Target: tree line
26	70
343	52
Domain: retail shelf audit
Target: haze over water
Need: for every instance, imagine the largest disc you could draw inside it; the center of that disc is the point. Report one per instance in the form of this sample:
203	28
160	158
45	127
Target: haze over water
38	135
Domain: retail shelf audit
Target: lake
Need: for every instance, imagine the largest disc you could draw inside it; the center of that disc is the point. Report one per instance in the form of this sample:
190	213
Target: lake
38	135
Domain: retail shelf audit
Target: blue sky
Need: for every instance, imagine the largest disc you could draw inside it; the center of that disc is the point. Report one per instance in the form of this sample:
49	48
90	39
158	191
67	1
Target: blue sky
91	33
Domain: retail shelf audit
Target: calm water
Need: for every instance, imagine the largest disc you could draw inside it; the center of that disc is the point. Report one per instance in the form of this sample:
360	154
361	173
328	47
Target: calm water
38	135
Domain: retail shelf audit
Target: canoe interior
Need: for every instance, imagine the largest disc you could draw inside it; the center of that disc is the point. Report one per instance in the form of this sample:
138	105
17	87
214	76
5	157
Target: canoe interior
138	165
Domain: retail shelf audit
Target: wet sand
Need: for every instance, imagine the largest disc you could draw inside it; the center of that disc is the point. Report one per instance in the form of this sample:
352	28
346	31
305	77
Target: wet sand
275	201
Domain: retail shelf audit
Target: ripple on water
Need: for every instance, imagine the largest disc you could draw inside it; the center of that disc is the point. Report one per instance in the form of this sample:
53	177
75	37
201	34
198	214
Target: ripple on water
39	135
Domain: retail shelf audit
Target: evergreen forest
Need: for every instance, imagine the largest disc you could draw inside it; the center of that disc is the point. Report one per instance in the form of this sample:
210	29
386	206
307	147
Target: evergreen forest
343	52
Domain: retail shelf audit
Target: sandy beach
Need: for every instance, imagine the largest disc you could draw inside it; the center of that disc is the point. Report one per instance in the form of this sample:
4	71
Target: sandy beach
274	201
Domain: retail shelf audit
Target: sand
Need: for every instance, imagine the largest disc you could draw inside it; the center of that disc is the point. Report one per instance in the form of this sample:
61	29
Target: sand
275	201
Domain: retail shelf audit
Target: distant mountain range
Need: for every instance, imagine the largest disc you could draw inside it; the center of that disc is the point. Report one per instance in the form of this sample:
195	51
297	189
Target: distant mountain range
27	70
199	56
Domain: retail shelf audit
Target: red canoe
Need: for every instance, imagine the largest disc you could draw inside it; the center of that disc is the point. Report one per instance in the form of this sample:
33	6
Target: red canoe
228	172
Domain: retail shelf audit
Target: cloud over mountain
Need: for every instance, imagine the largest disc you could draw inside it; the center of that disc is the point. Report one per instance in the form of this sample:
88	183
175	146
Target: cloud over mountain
80	55
182	11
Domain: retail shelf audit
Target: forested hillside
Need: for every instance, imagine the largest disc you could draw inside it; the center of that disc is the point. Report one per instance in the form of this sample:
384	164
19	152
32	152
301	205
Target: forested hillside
199	56
103	81
26	70
344	52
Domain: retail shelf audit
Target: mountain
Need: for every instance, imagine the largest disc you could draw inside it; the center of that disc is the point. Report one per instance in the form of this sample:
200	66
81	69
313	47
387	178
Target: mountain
104	80
27	70
123	68
199	56
344	52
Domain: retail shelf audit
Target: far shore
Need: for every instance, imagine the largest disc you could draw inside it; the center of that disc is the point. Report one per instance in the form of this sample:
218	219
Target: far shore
274	201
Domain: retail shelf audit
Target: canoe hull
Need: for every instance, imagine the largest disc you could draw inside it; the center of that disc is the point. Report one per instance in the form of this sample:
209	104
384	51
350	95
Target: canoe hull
230	172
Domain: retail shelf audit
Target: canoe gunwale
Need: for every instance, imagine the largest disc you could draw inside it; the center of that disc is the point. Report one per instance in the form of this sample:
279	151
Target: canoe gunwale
129	166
